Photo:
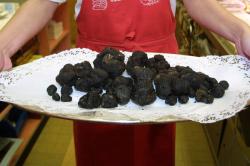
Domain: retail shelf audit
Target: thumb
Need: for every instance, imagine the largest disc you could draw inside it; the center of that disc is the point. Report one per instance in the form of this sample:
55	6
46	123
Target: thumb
7	63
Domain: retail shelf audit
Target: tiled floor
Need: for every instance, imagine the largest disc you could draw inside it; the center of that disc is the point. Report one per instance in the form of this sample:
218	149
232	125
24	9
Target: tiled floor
52	144
55	146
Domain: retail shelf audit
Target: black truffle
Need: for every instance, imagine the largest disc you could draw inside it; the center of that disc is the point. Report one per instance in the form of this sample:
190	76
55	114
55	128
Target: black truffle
90	100
67	68
96	90
142	74
162	65
163	86
171	100
114	67
66	90
180	87
191	92
122	94
159	58
83	69
218	91
84	85
201	95
183	99
224	84
51	90
213	82
111	52
150	63
102	74
183	70
143	85
109	101
56	97
195	81
209	99
143	96
67	75
98	76
111	60
138	59
107	84
66	98
169	82
121	80
66	78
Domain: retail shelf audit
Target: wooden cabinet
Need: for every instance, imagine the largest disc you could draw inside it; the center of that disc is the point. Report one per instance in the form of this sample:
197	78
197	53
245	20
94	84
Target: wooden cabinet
29	128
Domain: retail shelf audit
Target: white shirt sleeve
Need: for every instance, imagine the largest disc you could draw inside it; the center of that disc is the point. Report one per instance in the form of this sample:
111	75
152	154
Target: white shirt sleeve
58	1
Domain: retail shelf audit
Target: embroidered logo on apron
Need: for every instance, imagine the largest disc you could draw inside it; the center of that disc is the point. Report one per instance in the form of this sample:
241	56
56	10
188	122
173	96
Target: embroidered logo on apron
99	4
103	4
149	2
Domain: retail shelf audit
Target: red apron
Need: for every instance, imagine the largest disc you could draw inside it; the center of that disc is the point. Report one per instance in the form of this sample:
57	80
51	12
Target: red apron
146	25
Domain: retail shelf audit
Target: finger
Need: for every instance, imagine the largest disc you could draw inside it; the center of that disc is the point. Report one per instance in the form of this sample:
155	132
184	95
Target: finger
247	53
239	50
7	63
248	56
1	63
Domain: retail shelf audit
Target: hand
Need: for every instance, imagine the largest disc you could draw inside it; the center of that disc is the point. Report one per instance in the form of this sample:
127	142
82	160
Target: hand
243	43
5	62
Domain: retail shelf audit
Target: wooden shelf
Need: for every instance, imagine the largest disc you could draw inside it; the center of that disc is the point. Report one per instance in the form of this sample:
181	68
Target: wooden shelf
44	46
29	128
55	42
48	46
5	112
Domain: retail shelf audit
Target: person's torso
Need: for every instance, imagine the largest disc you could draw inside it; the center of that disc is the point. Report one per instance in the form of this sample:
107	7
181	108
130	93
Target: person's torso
128	24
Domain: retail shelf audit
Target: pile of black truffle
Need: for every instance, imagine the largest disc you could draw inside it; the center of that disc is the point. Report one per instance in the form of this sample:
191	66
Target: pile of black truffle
150	77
